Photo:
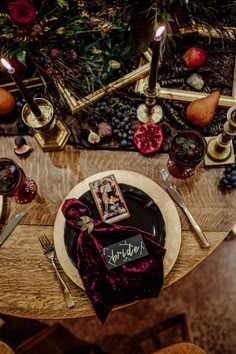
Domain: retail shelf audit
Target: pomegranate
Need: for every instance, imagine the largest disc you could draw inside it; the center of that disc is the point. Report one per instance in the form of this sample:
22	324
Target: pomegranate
148	138
195	56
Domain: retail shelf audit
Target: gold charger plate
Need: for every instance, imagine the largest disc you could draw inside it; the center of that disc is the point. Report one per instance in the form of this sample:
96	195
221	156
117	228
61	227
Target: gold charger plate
158	195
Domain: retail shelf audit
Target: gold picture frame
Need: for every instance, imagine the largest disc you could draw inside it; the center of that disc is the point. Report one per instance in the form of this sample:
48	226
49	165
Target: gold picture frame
76	105
185	95
140	75
203	31
29	83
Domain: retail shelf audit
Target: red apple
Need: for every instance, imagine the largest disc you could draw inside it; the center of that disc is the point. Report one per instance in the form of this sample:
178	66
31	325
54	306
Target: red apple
195	56
18	66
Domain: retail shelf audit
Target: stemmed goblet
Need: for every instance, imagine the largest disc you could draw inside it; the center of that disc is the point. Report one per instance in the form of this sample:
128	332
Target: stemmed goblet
14	183
187	149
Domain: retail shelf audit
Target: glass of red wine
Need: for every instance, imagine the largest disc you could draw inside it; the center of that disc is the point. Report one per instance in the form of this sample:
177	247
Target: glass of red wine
187	149
14	183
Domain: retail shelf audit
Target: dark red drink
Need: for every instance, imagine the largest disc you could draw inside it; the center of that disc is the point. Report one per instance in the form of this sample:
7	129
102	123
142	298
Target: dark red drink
187	149
14	183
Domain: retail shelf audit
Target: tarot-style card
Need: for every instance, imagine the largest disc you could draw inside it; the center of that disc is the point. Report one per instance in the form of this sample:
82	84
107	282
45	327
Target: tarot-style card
109	199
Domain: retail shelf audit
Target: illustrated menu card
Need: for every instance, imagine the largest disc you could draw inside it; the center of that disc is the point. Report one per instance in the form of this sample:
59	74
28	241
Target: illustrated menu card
109	199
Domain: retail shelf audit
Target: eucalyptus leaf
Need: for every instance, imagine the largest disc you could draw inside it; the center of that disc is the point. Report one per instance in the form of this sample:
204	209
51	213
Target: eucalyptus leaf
13	52
21	58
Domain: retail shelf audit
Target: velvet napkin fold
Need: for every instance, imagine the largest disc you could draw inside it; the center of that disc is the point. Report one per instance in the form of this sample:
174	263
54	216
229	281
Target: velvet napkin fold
139	279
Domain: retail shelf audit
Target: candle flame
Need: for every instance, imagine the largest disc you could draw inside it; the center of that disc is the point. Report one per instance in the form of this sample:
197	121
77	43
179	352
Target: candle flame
7	65
158	33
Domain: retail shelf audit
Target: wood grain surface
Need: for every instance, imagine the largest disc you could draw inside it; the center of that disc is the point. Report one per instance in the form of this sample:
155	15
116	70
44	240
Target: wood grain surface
29	287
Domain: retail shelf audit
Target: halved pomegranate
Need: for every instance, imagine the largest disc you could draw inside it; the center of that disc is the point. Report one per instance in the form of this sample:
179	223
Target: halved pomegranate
148	138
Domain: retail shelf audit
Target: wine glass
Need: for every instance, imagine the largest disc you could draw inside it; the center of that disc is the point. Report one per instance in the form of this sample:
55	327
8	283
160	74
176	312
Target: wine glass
187	149
14	183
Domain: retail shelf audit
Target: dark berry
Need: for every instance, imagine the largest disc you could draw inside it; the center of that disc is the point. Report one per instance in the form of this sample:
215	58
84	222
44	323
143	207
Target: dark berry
124	142
228	181
166	131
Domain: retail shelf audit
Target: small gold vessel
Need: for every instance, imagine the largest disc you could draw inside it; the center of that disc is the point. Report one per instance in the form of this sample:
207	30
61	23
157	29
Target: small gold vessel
50	132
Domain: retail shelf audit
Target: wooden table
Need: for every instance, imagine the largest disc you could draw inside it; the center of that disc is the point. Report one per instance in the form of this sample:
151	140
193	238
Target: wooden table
28	284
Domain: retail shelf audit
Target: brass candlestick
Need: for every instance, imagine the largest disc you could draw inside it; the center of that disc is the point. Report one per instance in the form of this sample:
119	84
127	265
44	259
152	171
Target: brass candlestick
51	132
150	112
220	149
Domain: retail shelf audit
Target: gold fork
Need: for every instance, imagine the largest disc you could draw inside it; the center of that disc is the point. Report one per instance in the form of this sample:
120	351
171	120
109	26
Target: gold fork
50	253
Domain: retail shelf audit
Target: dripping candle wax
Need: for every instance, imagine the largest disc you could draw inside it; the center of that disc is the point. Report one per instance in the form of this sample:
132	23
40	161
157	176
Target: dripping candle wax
155	59
25	93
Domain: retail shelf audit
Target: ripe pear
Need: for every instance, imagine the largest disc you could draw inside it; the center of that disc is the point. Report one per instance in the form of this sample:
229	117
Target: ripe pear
201	112
7	102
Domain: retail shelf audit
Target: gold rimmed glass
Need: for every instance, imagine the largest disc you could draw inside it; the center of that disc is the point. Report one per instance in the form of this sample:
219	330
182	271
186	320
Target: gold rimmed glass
187	149
14	183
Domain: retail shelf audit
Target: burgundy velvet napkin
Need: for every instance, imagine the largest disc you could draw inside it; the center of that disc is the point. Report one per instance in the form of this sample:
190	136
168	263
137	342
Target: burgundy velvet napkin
139	279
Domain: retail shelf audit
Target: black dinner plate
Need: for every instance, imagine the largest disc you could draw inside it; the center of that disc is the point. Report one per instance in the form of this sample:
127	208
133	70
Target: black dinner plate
144	214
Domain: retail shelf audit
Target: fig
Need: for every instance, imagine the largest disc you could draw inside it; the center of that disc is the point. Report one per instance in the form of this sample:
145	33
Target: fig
7	102
93	137
104	130
21	147
195	56
19	141
22	150
201	112
148	138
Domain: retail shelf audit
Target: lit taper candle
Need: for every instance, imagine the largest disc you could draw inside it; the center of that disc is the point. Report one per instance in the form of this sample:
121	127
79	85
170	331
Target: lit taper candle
155	59
25	93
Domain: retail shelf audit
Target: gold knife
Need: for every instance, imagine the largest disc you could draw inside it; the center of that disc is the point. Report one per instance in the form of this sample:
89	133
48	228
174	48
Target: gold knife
10	227
179	200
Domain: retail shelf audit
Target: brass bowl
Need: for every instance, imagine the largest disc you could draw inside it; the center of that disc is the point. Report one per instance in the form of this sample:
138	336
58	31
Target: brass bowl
43	123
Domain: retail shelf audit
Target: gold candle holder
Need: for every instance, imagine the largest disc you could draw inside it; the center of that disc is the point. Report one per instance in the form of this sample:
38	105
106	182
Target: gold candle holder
150	111
50	132
220	149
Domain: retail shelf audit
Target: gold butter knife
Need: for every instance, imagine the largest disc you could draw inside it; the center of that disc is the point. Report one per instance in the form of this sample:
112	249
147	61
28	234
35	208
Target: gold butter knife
10	227
179	200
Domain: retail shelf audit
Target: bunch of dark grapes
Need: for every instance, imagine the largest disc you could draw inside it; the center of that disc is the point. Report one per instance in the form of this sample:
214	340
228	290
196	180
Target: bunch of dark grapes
102	110
228	181
121	124
20	102
118	115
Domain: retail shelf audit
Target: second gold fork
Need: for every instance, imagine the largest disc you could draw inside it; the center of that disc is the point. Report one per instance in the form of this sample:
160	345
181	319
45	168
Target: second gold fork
50	253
